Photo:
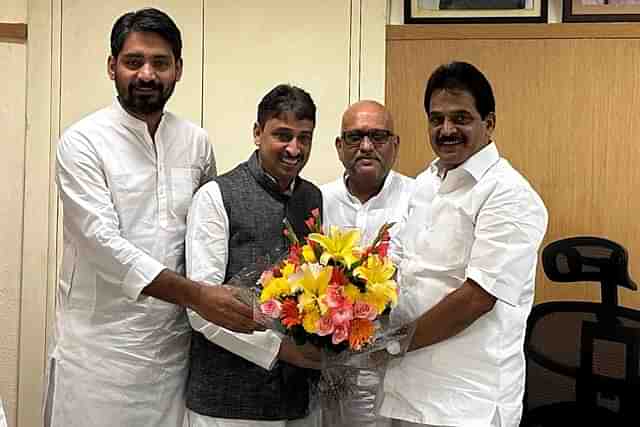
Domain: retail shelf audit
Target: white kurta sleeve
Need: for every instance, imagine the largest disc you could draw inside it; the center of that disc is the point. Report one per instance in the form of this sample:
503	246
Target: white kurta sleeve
3	418
207	255
508	232
91	220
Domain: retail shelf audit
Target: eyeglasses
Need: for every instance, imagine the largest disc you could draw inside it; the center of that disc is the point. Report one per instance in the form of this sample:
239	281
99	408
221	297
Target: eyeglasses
378	137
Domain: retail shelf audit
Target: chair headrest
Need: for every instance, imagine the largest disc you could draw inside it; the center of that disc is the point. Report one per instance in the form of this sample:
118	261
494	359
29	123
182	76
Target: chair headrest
587	259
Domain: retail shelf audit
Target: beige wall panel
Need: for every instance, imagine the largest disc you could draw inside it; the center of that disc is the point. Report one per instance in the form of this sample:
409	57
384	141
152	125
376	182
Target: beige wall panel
250	48
12	114
566	120
372	52
38	254
13	11
86	27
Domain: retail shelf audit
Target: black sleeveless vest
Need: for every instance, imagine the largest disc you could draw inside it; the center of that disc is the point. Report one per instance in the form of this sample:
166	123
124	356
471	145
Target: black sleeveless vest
222	384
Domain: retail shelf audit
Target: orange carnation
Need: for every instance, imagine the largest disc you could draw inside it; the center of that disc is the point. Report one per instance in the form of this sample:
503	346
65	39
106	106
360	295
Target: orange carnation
361	333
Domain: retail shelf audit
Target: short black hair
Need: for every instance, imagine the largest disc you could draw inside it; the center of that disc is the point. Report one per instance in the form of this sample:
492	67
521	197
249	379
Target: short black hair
284	99
147	20
462	76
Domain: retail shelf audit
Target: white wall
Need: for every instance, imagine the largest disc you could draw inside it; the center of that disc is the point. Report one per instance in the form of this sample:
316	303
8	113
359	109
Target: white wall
12	117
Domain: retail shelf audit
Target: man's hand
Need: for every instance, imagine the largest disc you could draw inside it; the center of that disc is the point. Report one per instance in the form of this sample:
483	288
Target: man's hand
304	356
218	305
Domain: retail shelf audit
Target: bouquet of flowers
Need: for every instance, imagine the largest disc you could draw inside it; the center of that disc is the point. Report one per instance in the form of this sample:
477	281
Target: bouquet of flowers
328	290
331	292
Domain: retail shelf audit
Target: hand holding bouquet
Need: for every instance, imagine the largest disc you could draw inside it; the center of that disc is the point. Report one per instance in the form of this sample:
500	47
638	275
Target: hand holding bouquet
327	292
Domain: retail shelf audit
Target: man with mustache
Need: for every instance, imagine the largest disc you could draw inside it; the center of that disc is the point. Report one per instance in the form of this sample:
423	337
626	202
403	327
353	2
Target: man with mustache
126	176
368	195
468	268
260	379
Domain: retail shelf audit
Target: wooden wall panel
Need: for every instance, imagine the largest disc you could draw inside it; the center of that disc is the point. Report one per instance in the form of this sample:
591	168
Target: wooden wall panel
567	118
11	32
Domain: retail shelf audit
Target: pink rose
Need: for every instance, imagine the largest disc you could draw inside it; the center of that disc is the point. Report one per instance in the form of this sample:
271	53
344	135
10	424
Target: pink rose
362	310
334	297
340	334
272	308
341	315
325	326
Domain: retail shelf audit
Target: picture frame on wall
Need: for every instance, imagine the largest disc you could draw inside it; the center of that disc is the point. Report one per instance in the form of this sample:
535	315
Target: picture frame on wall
601	10
474	11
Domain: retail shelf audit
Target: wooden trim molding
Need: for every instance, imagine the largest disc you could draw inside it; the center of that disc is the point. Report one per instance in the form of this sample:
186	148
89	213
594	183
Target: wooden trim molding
514	31
13	32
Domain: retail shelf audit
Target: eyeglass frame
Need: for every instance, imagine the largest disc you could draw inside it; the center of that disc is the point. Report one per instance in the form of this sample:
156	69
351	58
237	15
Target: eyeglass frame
368	135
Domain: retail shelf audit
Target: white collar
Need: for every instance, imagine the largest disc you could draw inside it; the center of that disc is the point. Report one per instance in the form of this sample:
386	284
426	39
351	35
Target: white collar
130	119
387	183
476	165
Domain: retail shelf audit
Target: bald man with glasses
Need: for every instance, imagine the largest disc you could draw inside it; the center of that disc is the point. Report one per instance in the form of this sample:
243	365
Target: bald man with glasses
367	195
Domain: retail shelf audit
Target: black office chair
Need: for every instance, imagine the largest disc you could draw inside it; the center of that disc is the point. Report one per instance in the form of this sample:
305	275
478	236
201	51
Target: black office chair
583	357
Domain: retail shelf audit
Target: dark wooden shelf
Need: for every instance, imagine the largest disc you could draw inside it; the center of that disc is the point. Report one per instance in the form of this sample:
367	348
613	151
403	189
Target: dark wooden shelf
599	30
13	32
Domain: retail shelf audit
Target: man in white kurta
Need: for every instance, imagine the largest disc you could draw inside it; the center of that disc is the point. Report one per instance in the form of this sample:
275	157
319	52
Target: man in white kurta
126	175
469	263
368	195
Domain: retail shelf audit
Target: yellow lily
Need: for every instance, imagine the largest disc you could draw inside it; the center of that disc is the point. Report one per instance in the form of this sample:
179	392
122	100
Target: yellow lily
314	283
310	321
338	245
381	289
279	287
276	288
352	292
288	269
308	254
381	294
376	269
